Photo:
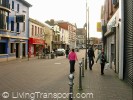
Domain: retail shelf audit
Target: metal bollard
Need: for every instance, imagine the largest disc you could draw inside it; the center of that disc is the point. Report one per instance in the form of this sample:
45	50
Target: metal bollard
28	55
82	67
71	77
80	79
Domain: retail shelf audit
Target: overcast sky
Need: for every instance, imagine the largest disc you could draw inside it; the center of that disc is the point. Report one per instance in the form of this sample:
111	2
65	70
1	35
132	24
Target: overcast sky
73	11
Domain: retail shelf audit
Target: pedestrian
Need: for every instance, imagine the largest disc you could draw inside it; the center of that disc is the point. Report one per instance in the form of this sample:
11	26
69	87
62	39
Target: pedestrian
103	60
72	56
67	52
91	57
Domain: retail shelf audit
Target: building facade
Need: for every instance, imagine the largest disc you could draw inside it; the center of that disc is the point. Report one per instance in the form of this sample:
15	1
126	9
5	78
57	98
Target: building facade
48	31
118	37
72	32
127	7
4	27
36	42
80	38
14	33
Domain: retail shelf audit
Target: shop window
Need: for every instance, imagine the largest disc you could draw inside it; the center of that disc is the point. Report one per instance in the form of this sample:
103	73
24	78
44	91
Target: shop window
2	48
11	48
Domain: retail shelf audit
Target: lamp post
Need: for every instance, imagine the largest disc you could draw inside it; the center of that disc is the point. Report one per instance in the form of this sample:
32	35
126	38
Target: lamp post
86	33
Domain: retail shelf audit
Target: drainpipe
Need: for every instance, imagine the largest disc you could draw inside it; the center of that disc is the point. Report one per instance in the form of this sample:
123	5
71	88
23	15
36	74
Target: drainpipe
121	39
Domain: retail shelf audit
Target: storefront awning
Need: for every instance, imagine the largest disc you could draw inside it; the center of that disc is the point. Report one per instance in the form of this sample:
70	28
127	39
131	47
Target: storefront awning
36	41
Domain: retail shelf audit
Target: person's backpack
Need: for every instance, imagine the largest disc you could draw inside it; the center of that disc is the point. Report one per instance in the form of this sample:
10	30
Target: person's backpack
90	53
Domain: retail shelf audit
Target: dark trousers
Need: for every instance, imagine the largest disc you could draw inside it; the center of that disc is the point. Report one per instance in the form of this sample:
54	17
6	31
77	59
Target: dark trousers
72	66
102	68
91	62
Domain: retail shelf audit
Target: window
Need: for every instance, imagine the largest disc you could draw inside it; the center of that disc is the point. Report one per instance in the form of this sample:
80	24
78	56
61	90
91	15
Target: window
11	48
35	30
38	31
23	26
7	21
3	18
18	7
12	5
0	2
2	48
17	27
20	18
12	25
32	32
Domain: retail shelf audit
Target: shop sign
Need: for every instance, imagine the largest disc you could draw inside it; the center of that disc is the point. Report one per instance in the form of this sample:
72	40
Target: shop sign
36	41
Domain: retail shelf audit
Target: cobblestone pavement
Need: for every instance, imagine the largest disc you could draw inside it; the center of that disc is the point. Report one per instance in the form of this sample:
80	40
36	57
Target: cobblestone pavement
102	87
51	76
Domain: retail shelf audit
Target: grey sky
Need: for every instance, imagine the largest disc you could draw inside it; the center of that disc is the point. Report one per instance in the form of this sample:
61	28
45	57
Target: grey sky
73	11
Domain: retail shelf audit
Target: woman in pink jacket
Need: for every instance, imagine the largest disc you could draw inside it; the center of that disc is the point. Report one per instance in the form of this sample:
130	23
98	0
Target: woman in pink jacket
72	59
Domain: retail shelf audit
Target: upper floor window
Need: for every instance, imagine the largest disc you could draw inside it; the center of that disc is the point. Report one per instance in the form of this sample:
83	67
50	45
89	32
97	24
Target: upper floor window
41	30
3	18
35	30
17	7
18	27
23	26
12	25
38	31
13	5
0	2
32	32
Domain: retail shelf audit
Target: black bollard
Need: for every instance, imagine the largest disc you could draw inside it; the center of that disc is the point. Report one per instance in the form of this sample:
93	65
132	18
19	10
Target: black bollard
71	77
82	67
80	79
28	55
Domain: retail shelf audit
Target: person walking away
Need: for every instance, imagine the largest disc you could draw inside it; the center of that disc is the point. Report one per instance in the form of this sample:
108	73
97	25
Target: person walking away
103	60
91	57
67	52
72	56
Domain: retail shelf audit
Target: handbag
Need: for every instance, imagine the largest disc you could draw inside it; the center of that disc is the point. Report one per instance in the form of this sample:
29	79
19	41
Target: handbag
106	66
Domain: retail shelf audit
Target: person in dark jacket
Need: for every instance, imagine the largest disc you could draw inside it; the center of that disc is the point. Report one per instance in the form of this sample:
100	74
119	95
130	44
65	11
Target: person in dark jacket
103	60
67	52
91	57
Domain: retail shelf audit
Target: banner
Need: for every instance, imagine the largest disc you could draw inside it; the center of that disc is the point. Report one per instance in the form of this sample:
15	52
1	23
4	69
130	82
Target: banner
99	28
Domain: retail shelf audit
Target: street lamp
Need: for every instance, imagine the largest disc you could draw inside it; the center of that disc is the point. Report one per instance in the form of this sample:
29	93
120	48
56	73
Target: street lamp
87	16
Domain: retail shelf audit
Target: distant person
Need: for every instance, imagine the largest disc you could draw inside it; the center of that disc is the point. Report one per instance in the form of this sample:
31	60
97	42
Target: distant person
91	57
72	56
67	52
103	60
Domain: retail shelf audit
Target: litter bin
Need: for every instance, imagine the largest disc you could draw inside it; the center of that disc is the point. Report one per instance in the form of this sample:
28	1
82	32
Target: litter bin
52	55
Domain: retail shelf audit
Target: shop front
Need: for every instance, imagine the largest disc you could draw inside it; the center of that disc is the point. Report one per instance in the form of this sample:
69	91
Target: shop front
35	46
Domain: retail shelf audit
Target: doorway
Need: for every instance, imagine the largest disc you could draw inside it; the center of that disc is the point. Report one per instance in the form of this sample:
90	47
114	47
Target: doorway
23	50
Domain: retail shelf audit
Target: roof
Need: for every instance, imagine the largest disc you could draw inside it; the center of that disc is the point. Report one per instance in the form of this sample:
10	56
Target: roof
80	31
25	3
36	22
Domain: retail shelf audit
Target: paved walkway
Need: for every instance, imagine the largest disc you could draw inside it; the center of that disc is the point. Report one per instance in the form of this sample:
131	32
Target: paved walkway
102	87
95	86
